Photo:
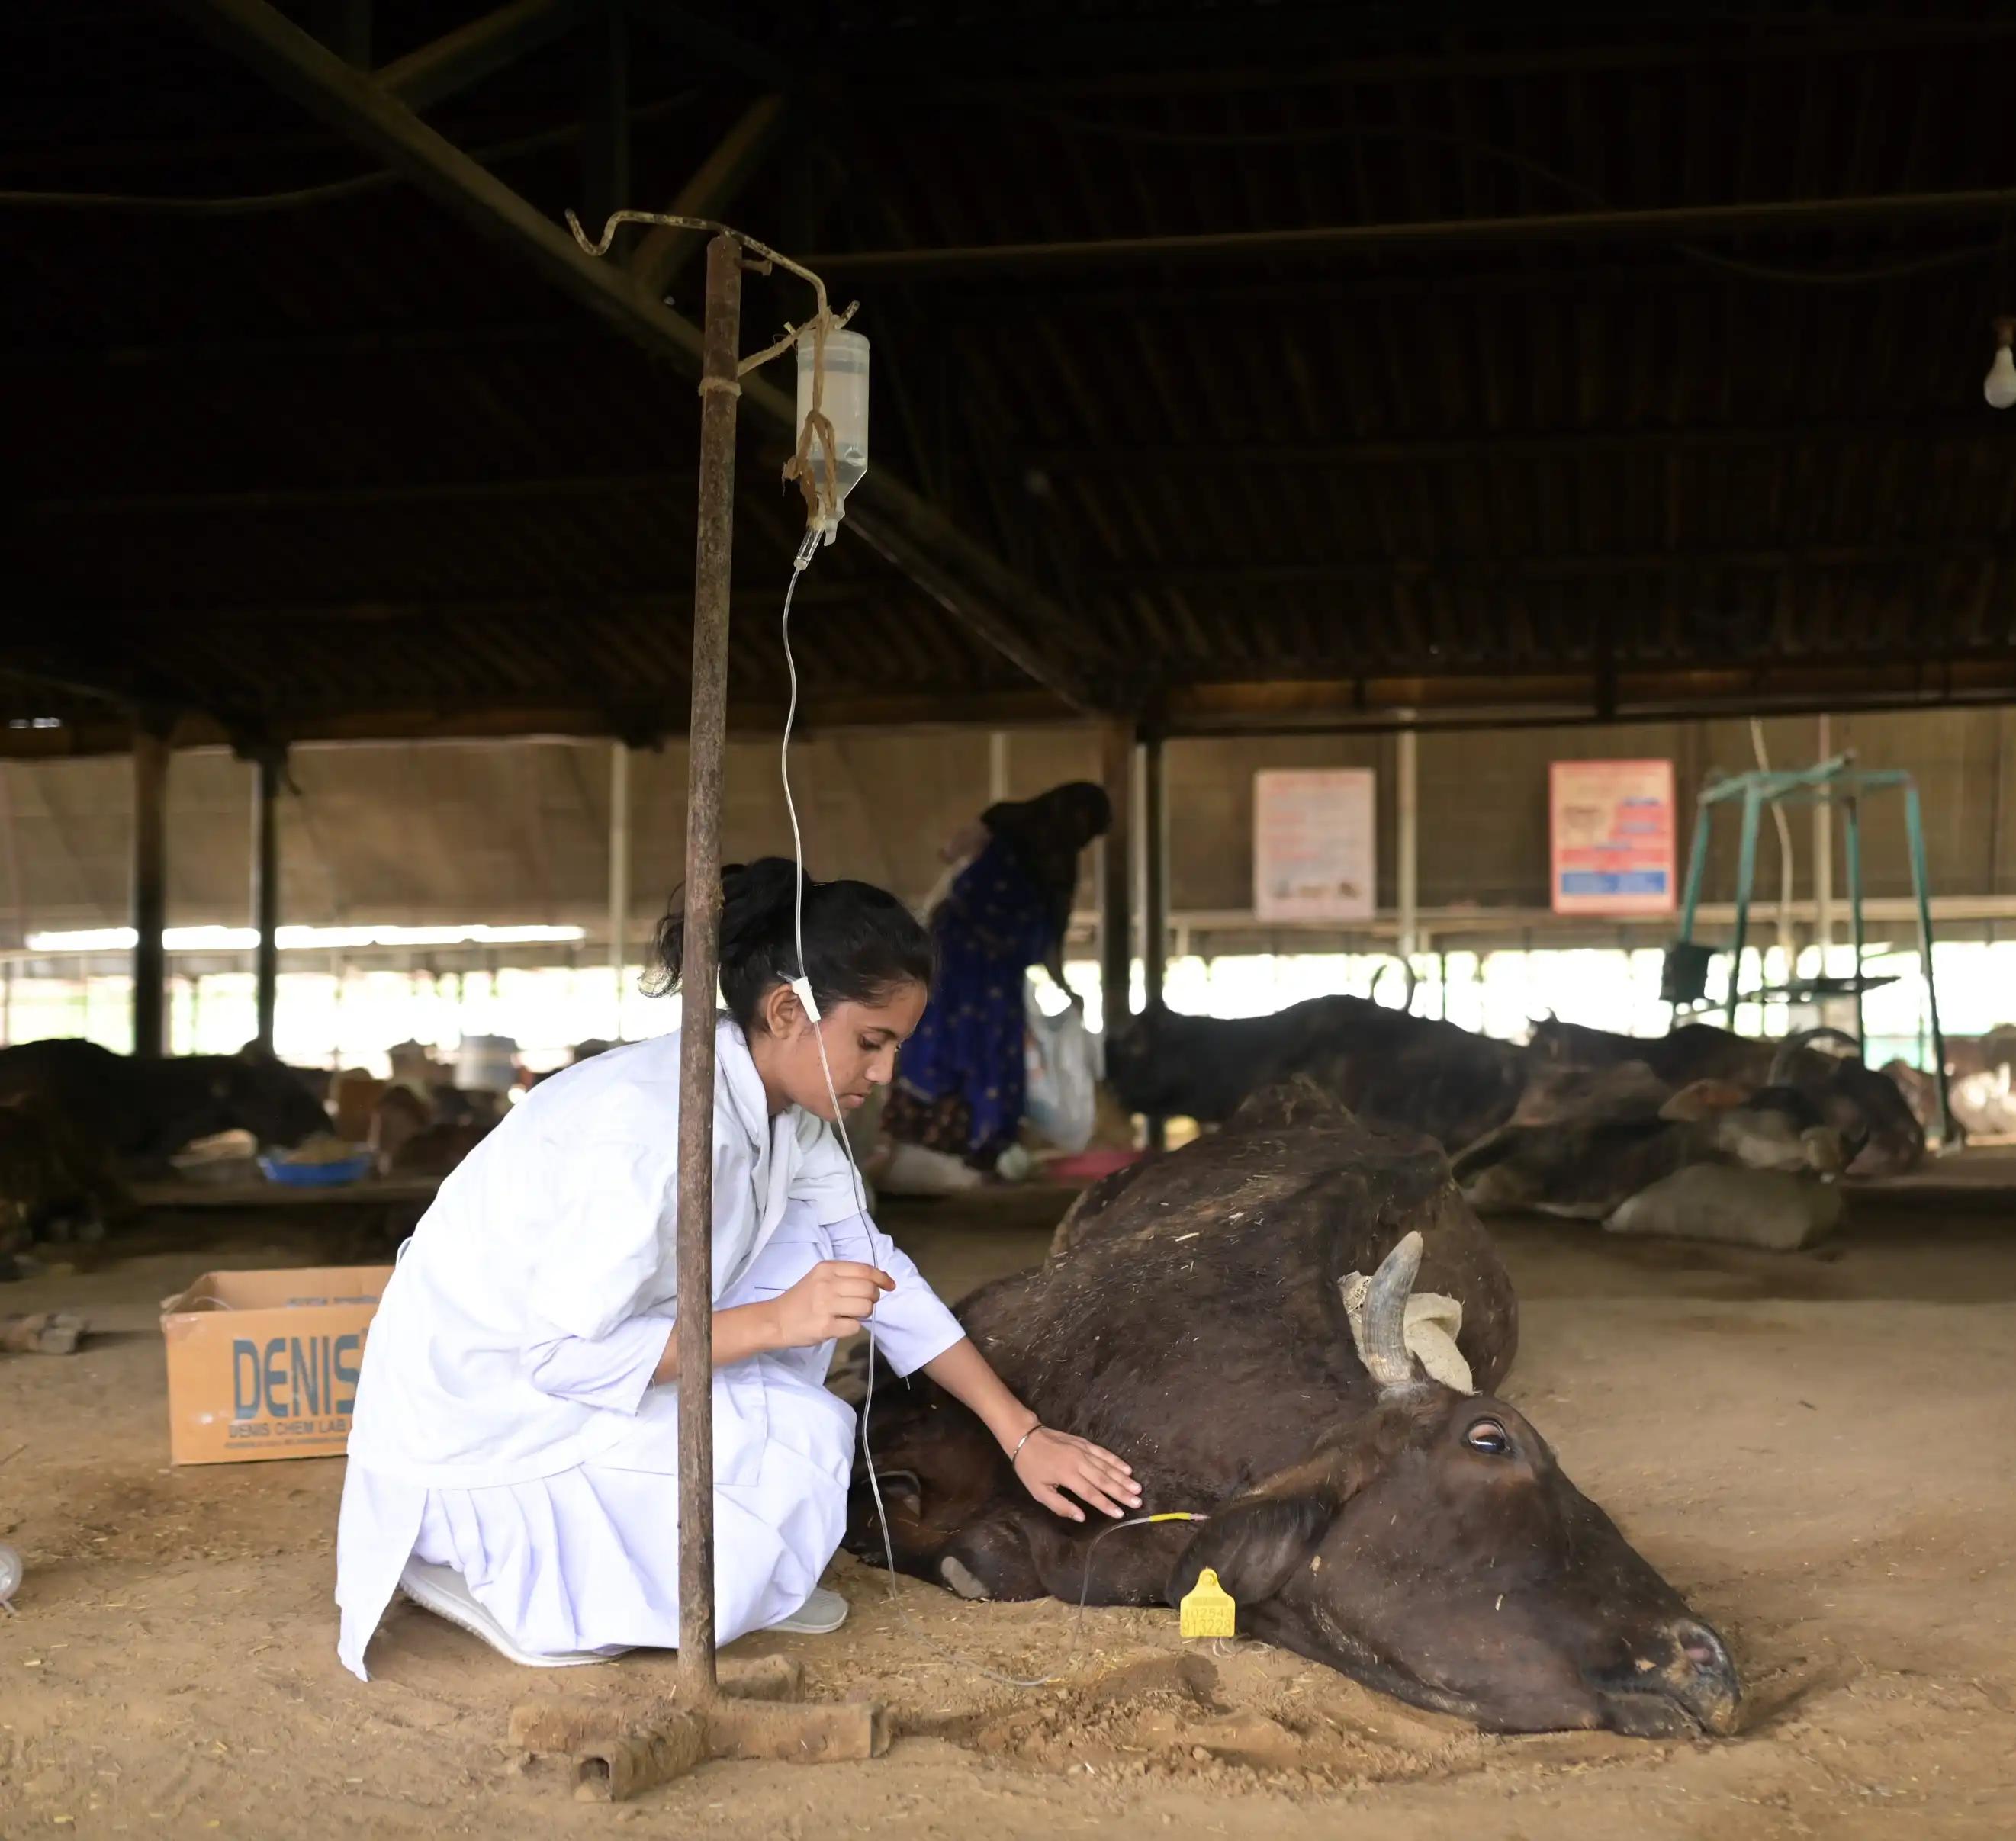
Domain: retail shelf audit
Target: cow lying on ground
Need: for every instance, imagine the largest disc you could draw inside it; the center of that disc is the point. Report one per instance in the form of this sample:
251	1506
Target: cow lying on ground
1618	1145
1422	1540
1868	1109
76	1120
411	1136
1389	1068
144	1110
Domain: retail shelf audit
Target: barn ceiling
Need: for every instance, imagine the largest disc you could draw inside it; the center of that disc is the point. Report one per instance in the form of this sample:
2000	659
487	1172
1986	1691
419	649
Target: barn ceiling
1234	365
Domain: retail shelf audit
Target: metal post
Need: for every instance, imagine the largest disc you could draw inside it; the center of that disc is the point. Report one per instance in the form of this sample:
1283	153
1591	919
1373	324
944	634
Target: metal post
1697	871
150	890
1746	868
619	871
714	548
1154	896
1914	826
1823	856
1408	797
1851	838
266	896
1116	862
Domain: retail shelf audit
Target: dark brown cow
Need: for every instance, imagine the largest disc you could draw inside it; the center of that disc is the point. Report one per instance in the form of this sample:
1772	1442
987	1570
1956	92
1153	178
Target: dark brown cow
1422	1540
1388	1067
1868	1109
144	1109
1584	1140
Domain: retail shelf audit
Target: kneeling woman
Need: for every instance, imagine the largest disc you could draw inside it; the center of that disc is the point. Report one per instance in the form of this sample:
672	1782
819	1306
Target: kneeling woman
513	1458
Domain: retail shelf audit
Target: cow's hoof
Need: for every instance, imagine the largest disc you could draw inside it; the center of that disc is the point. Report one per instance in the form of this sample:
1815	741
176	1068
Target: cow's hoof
961	1580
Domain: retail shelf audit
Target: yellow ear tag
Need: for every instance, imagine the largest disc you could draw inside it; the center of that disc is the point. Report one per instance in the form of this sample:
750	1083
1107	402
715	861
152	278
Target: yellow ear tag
1207	1609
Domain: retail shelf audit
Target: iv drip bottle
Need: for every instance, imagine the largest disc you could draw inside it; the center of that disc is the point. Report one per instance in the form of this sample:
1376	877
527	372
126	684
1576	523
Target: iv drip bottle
845	403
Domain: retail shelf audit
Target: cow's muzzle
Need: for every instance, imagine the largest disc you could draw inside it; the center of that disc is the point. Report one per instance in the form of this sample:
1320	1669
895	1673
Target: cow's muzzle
1685	1684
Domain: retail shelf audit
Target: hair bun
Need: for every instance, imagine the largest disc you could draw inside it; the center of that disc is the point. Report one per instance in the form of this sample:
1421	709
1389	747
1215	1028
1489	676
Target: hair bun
758	900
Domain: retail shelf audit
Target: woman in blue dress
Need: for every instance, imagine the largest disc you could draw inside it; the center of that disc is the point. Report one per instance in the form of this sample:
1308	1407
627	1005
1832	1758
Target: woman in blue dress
962	1080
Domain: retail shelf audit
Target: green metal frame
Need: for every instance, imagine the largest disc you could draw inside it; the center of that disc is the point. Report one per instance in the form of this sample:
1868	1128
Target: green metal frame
1837	782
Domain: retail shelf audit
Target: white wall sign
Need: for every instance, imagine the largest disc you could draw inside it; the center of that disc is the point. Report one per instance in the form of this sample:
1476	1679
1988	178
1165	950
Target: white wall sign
1314	846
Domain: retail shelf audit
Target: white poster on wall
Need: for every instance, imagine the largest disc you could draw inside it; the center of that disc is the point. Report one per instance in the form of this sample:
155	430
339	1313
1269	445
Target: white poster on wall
1314	853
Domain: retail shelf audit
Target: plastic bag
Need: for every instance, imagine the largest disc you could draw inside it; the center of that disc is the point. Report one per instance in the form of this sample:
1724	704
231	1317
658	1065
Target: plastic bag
1062	1061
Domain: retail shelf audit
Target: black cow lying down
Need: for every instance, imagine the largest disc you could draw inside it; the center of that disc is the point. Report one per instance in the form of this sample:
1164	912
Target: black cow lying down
1390	1068
1423	1541
77	1120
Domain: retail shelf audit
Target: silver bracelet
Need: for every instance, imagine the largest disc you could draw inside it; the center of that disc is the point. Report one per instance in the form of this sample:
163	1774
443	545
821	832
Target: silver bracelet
1023	1440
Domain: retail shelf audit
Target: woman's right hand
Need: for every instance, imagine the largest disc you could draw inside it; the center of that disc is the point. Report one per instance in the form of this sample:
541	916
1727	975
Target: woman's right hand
828	1304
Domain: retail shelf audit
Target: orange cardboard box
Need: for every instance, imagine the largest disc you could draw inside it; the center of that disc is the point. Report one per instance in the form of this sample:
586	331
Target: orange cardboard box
264	1364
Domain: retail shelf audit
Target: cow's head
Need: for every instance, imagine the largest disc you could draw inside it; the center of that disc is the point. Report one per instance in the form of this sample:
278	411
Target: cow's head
258	1093
1432	1549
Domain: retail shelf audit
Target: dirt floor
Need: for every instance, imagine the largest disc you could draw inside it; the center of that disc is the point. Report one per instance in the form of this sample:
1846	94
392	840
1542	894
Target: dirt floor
1818	1449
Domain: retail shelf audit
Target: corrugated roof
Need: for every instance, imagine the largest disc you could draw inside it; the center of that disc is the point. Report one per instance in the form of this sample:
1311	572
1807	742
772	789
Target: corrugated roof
346	467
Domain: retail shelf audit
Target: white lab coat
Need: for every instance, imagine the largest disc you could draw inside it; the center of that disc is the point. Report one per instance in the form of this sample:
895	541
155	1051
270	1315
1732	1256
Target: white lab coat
506	1423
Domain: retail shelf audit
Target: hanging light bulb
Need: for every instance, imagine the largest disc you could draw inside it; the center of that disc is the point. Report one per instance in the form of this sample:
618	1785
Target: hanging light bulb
2000	387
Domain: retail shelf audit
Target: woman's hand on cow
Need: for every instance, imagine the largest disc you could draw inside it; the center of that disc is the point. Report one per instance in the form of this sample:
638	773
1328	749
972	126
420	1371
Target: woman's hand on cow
1051	1462
831	1302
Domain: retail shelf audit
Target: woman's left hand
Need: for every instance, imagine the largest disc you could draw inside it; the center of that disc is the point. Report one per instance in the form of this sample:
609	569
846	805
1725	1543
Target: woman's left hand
1052	1463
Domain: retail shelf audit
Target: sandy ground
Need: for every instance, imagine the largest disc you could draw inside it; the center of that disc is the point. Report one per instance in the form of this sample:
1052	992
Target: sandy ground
1818	1449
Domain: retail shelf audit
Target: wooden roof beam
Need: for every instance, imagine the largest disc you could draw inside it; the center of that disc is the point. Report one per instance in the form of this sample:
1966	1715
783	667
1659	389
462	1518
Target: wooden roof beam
1668	223
725	50
460	60
999	606
715	185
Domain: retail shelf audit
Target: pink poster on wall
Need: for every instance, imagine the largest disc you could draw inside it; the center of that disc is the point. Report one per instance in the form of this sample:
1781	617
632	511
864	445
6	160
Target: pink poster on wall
1611	824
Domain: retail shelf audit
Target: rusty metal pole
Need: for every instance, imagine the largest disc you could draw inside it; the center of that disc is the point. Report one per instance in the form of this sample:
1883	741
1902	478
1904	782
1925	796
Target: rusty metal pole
266	895
1116	878
1154	897
701	972
150	888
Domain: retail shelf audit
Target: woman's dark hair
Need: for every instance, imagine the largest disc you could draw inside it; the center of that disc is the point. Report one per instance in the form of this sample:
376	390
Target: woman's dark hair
861	943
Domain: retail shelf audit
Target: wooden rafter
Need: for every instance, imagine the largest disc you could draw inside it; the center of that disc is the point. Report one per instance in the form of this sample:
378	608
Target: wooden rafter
998	605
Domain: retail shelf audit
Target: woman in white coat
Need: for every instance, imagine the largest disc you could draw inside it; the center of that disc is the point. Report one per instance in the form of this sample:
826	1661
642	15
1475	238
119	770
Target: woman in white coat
514	1455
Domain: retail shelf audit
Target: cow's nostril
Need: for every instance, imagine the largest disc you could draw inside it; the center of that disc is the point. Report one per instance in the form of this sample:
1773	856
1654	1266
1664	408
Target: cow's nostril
1702	1647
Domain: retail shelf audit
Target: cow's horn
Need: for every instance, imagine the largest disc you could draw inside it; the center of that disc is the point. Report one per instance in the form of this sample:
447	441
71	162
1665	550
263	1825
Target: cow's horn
1382	1327
1781	1063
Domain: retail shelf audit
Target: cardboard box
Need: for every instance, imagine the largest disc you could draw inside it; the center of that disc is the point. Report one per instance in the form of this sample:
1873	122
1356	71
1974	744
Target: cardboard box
264	1364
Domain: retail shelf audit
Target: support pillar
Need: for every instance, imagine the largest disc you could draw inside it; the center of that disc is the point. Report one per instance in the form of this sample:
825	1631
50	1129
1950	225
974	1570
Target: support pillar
1408	860
619	871
266	896
1154	896
1116	865
150	889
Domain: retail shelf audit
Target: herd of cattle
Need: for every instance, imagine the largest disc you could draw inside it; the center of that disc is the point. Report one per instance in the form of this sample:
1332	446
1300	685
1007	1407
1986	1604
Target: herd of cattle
1239	1318
1700	1133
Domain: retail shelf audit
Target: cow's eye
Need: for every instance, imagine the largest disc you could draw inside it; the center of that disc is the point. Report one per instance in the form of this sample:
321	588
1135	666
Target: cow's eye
1489	1436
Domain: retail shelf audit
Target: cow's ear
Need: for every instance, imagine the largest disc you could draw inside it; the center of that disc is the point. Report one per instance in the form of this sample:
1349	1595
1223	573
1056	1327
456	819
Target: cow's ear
1703	1099
1255	1541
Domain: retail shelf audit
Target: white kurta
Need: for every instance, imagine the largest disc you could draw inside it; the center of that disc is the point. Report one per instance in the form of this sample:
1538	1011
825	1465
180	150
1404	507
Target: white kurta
506	1423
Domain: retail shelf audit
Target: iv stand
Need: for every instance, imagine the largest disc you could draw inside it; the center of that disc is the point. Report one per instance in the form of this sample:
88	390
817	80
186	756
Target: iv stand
618	1751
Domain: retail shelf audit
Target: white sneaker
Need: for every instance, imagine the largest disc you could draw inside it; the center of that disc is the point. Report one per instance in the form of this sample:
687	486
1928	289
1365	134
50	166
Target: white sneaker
443	1591
822	1612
